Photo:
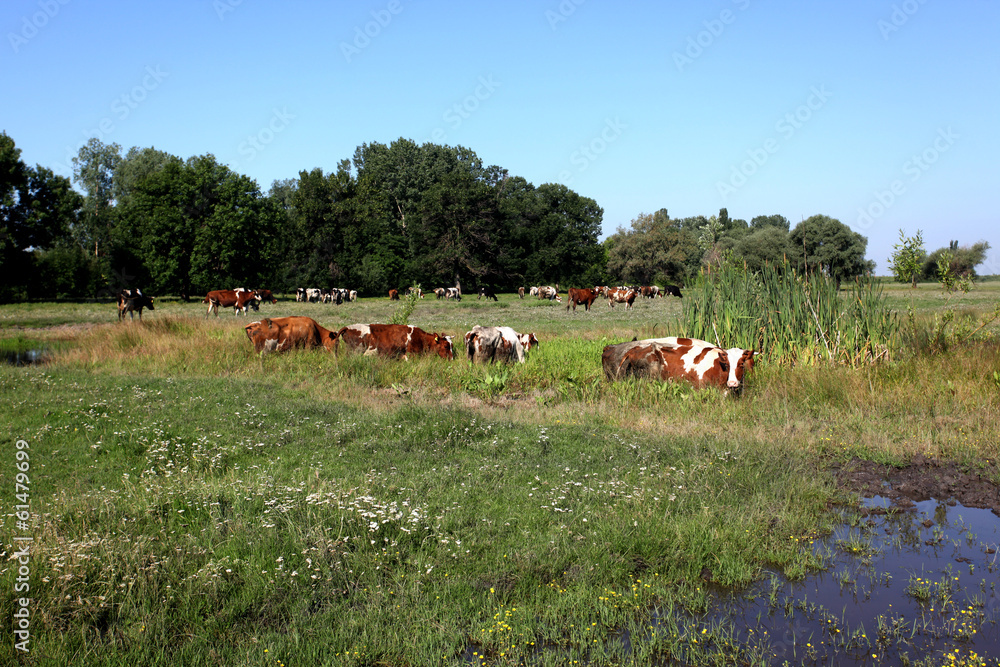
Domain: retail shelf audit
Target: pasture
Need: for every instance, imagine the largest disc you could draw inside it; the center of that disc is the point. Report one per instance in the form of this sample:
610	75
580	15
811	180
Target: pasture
194	503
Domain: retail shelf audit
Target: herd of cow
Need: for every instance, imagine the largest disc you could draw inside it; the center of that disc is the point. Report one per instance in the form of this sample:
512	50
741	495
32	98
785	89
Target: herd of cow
696	361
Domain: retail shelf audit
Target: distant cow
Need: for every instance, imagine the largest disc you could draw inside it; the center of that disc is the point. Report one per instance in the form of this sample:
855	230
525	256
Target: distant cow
696	361
300	294
624	295
672	290
488	293
265	295
411	290
520	292
394	295
584	297
131	301
227	298
485	345
533	291
277	334
440	292
453	293
550	293
395	340
649	291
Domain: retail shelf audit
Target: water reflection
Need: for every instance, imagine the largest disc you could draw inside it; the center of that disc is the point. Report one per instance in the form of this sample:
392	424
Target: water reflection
25	357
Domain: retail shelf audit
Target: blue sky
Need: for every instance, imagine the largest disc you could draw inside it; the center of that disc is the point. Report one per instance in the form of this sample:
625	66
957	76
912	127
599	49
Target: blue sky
884	114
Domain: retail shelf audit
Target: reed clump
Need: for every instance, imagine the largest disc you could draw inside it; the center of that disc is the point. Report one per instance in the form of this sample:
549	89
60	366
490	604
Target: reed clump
792	317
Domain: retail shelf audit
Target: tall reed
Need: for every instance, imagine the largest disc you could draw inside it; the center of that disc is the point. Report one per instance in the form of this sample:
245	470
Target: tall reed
790	317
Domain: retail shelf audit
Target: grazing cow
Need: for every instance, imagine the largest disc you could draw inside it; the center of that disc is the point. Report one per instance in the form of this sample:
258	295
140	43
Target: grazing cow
132	300
533	291
696	361
394	295
265	295
277	334
520	292
649	291
228	298
411	289
584	297
441	292
528	341
395	340
550	293
313	294
488	293
300	294
624	295
353	295
672	290
602	290
489	344
453	293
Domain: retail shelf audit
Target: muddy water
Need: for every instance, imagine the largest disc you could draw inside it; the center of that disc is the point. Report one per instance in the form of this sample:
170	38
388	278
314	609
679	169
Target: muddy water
916	584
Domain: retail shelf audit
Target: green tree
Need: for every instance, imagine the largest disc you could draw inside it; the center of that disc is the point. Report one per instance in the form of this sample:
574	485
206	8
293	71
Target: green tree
906	262
824	244
94	169
655	249
962	261
766	244
762	221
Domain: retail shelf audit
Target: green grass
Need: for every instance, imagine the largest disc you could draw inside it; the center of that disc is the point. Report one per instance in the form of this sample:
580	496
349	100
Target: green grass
195	503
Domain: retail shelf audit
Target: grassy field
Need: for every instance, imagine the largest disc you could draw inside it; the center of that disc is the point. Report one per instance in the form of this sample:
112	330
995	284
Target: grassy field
194	503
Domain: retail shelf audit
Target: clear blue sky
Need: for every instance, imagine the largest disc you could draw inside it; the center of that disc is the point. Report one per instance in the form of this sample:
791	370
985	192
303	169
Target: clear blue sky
883	114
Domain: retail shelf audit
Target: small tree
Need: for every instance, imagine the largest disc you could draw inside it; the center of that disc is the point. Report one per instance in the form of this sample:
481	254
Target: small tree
907	258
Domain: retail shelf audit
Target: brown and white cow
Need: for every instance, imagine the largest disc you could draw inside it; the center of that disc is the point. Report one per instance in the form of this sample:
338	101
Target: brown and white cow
485	345
550	293
228	298
696	361
583	296
395	340
277	334
624	295
649	291
528	341
265	295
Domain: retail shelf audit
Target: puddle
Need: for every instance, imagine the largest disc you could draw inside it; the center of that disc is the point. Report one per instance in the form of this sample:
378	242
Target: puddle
899	585
25	357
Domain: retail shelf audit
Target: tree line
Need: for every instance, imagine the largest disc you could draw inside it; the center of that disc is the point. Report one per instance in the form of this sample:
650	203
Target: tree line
390	216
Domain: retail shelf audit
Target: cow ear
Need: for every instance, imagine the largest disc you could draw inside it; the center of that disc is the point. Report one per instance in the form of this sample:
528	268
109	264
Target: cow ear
437	338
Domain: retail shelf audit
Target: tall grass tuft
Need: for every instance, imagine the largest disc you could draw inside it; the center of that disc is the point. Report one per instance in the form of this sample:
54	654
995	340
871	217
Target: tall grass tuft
792	318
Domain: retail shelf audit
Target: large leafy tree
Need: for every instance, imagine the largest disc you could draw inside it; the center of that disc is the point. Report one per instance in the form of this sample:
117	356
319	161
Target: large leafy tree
765	244
962	261
656	248
93	170
821	243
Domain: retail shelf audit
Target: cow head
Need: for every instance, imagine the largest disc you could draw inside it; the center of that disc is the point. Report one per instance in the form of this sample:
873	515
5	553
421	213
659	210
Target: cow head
736	363
528	341
444	346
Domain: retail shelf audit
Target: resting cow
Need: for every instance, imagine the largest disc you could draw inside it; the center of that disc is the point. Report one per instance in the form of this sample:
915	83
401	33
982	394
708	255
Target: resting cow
277	334
696	361
395	340
584	297
489	344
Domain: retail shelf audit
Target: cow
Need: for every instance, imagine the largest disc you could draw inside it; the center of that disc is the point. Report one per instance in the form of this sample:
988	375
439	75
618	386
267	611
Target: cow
440	292
453	293
395	340
277	334
696	361
672	290
488	293
353	295
494	344
411	290
132	300
265	295
313	294
533	291
394	295
300	294
602	290
584	297
520	292
649	291
528	341
226	298
550	293
624	295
